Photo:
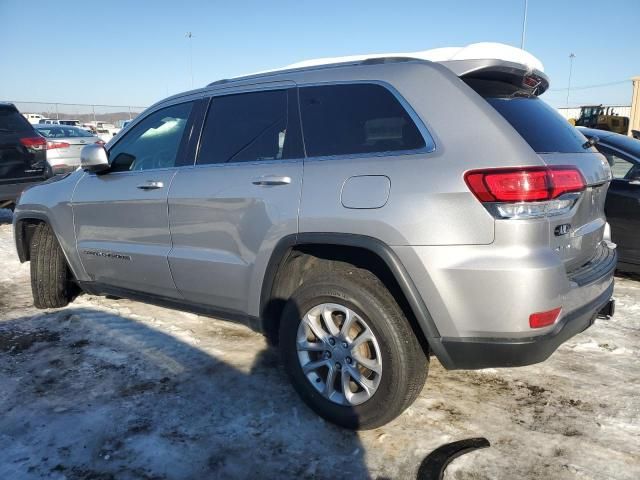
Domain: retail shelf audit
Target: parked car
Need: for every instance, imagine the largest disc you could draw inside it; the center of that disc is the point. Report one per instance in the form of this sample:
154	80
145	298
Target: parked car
445	210
64	144
33	118
22	155
73	123
105	134
622	206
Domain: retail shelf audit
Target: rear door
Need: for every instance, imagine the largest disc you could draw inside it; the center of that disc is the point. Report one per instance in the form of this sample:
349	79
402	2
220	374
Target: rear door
576	236
623	203
120	217
227	212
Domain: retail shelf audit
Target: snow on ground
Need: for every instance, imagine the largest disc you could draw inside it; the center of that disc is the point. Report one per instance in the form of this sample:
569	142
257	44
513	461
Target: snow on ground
110	388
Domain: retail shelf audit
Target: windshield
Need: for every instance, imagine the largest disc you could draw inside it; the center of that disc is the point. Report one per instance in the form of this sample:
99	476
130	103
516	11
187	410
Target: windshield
61	131
543	128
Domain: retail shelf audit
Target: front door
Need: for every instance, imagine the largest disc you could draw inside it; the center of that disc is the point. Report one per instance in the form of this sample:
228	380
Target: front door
623	205
121	216
227	212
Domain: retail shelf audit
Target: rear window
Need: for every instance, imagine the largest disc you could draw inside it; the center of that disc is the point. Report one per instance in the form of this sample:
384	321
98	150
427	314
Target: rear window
355	118
544	129
12	121
61	131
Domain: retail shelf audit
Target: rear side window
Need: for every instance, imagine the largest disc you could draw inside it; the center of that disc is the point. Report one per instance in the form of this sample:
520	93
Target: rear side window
249	127
544	129
355	118
12	121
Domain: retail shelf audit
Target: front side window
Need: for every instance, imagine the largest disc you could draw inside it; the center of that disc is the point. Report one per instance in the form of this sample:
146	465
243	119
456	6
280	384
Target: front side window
355	118
249	127
152	143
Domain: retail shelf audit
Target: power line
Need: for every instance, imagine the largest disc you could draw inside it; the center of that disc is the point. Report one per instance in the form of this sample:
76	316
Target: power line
585	87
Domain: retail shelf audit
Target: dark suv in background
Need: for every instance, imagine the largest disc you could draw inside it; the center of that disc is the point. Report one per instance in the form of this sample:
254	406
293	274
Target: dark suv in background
23	155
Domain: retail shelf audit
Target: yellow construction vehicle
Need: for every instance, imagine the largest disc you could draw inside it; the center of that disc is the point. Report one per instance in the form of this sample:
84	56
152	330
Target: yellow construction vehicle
602	118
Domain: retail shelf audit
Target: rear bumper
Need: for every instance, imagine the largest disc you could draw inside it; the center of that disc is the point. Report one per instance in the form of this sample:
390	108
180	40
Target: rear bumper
476	353
480	299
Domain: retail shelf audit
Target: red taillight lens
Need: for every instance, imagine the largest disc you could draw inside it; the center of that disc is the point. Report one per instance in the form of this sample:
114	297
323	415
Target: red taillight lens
100	142
565	180
524	184
54	145
34	143
544	319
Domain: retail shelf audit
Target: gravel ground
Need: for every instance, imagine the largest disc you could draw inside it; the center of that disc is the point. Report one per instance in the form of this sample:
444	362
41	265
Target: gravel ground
114	389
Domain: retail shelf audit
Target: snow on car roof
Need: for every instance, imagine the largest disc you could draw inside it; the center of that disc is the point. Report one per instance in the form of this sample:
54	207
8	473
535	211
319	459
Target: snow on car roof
474	51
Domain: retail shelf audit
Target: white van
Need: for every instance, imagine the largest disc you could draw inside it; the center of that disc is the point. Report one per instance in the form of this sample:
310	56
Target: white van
33	118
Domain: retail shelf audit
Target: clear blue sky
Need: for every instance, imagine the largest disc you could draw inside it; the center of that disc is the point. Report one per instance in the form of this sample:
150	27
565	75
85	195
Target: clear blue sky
135	52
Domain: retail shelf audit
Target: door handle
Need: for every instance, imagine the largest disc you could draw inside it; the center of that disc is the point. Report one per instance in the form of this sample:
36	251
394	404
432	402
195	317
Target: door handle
271	180
150	185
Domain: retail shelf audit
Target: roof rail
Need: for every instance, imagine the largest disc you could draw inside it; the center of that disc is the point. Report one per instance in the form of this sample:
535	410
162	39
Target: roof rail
219	82
293	68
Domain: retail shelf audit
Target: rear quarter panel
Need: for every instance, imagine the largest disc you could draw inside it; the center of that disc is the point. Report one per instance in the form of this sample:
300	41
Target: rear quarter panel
429	202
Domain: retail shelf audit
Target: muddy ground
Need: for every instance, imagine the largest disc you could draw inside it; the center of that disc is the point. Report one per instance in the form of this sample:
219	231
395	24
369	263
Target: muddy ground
114	389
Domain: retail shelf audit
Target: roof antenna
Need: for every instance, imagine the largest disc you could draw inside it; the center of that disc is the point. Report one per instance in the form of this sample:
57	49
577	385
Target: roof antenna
189	35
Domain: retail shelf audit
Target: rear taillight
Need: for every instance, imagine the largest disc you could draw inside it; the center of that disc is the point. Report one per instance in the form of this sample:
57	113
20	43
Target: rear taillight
54	145
526	192
544	319
100	142
34	144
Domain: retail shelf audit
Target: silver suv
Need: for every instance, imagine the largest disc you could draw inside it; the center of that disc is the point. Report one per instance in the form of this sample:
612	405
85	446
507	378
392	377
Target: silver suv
364	215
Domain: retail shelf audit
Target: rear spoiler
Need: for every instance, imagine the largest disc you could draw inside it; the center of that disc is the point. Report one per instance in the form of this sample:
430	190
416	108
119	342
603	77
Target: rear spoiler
529	81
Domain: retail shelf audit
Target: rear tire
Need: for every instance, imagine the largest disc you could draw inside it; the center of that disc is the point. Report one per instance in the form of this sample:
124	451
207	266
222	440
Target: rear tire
402	363
50	277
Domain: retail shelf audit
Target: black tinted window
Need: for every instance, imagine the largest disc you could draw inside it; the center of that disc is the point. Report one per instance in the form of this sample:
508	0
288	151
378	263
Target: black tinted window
249	127
544	129
12	121
152	143
350	119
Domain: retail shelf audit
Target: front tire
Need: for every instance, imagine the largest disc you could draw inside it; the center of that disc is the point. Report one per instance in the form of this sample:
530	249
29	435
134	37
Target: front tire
50	276
349	350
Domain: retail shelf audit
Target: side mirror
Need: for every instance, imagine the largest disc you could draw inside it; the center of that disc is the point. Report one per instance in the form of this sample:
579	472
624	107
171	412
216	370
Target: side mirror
93	158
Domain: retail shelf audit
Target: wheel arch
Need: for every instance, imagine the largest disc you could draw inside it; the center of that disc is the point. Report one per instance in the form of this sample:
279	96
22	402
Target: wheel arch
23	229
293	255
24	224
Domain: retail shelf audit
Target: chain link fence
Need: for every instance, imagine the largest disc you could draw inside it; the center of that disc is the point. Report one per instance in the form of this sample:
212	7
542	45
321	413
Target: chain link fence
114	114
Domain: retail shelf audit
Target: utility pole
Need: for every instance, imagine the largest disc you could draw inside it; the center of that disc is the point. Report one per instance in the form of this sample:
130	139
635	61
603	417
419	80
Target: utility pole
571	57
524	23
189	35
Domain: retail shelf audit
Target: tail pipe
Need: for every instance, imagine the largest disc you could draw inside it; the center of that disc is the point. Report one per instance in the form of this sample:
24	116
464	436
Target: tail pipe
608	310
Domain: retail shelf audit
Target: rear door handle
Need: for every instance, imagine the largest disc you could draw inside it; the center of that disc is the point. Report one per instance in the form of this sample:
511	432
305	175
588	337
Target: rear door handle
150	185
271	180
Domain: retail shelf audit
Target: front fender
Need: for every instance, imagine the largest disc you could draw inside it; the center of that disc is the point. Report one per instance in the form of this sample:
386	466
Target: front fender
50	202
